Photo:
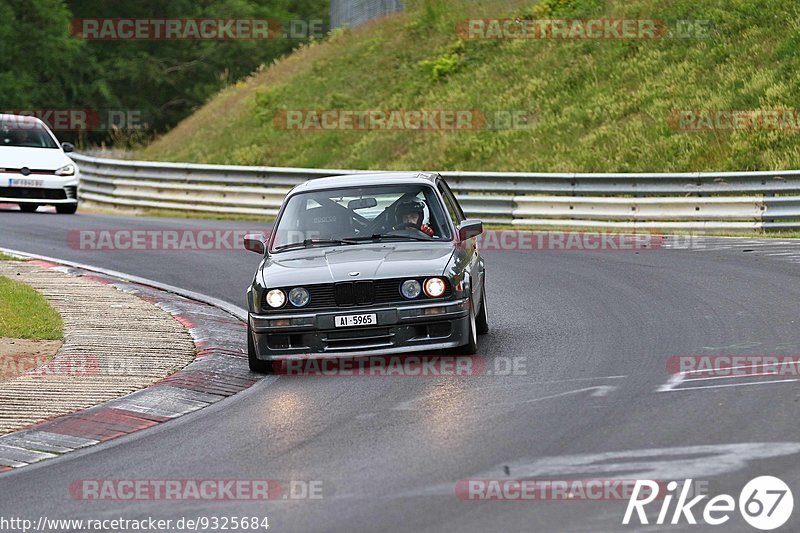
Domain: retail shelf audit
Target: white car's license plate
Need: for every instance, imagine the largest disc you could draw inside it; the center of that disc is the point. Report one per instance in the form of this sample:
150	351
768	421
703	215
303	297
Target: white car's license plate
356	320
22	182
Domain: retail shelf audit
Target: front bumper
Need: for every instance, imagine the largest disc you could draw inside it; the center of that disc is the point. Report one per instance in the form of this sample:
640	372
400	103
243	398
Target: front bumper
49	190
400	329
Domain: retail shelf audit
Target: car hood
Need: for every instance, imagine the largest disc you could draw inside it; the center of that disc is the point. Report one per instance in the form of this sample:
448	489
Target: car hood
372	261
33	158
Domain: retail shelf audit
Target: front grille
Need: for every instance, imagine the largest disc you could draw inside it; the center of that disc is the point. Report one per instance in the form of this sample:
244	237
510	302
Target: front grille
354	294
351	293
37	171
345	294
365	292
33	193
388	290
321	296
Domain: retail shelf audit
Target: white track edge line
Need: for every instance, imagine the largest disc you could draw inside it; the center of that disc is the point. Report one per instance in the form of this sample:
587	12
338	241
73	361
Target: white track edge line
236	311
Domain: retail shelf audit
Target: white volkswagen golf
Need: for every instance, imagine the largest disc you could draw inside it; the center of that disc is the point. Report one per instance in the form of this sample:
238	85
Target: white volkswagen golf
34	167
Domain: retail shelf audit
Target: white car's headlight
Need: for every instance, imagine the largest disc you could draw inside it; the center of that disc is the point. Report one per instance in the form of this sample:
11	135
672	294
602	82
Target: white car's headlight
276	298
66	170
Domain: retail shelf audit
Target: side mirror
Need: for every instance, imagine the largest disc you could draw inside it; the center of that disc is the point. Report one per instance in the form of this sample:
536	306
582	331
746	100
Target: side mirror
469	228
68	147
255	243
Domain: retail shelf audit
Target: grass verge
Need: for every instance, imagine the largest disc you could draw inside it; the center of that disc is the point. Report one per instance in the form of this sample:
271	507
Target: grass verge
174	213
25	314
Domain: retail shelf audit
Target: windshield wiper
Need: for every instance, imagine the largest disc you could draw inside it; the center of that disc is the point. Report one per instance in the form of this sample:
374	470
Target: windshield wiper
379	236
310	242
350	240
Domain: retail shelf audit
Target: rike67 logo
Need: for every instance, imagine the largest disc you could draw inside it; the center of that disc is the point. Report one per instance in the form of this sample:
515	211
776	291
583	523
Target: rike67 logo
765	503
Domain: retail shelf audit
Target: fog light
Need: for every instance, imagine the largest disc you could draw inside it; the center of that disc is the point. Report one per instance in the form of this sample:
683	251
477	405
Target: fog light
410	289
276	298
435	287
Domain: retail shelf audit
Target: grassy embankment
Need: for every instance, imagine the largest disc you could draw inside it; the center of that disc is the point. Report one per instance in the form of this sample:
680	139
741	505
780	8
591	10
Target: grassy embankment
25	314
599	106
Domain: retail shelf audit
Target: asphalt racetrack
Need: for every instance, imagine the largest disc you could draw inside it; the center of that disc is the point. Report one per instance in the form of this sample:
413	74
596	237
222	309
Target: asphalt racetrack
594	336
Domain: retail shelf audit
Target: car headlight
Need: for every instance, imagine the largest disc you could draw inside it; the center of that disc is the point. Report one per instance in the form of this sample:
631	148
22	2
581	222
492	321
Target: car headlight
66	170
410	289
276	298
435	287
299	297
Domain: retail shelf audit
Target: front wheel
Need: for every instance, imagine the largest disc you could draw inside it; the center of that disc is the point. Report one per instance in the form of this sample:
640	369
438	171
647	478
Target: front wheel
28	208
471	347
66	209
482	320
256	364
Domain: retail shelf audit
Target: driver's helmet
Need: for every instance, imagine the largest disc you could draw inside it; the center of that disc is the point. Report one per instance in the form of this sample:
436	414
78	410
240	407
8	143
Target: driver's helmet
411	206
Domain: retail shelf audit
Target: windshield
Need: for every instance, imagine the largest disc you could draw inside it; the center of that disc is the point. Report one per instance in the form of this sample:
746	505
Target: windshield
25	135
348	216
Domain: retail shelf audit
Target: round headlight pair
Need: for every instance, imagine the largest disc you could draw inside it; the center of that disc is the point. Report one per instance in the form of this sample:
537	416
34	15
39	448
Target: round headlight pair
433	287
298	297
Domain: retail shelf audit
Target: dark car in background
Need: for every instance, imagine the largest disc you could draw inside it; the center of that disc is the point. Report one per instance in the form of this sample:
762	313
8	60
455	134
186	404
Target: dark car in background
367	264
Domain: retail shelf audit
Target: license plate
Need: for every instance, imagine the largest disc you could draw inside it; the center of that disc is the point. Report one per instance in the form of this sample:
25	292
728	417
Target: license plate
355	320
21	182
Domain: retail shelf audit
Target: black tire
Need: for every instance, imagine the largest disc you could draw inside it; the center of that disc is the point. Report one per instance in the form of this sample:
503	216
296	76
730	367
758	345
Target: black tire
471	347
66	209
256	364
482	320
28	208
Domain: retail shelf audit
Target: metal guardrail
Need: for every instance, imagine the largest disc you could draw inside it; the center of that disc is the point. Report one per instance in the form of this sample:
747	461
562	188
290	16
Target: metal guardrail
355	12
687	201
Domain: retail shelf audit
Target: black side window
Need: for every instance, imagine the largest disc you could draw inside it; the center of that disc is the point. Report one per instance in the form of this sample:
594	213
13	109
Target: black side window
452	204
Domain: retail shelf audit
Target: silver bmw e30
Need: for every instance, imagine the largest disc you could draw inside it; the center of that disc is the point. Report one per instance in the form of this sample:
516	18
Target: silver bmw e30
366	264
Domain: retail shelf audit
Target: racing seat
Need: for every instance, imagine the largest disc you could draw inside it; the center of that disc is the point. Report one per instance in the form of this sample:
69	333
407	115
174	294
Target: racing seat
327	222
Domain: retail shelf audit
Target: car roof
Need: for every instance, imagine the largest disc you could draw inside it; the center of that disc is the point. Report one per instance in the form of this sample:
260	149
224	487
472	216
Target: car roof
5	117
365	179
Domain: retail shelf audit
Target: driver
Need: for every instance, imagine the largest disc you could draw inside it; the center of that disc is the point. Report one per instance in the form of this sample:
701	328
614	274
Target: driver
24	138
410	214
